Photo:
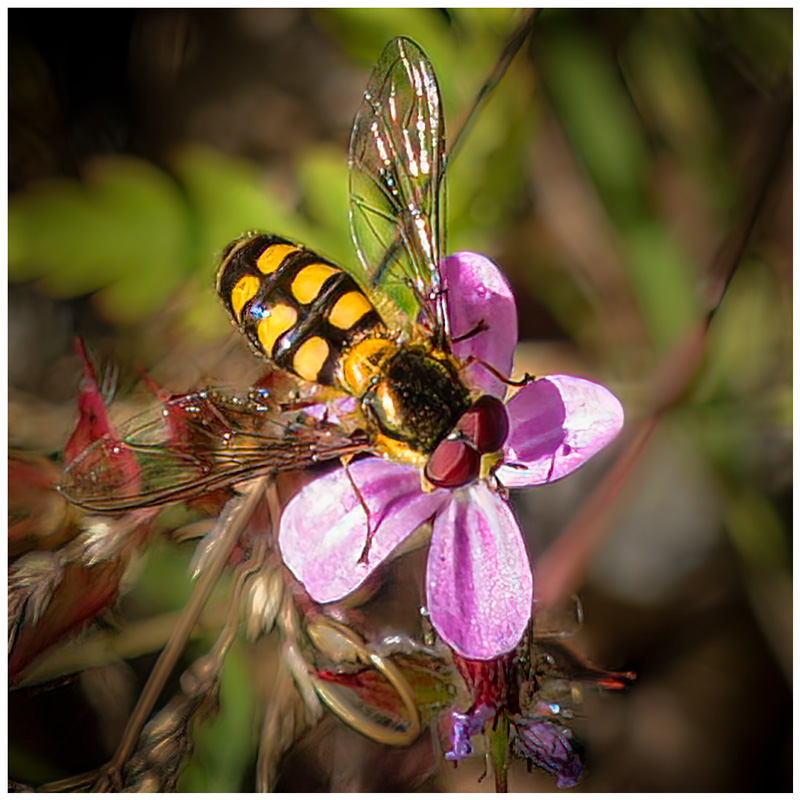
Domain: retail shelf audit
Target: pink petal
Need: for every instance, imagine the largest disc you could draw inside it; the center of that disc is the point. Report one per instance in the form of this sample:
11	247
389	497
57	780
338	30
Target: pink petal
480	302
324	527
479	581
557	423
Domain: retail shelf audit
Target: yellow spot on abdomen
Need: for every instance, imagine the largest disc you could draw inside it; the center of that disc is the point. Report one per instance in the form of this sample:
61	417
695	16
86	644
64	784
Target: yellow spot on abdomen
348	310
244	291
308	282
273	257
310	357
277	321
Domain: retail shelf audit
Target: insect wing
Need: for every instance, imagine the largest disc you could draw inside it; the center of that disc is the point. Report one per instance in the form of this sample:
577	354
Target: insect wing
397	158
197	444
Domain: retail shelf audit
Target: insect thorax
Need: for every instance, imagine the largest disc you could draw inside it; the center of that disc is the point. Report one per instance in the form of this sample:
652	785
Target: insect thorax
295	307
415	399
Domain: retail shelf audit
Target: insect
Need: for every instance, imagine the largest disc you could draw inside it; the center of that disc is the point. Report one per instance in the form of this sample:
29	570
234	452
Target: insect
384	341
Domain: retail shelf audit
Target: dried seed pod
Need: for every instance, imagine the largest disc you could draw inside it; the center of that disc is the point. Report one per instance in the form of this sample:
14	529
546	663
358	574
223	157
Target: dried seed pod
164	745
263	603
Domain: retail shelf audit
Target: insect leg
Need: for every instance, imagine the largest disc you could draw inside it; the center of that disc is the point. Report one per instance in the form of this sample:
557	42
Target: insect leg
479	328
364	557
523	381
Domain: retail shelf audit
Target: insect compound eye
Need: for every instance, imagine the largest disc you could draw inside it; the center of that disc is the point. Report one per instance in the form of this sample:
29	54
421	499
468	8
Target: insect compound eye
454	462
382	405
485	425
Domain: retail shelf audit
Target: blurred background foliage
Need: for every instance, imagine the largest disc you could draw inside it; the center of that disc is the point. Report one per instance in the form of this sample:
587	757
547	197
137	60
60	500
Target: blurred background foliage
603	174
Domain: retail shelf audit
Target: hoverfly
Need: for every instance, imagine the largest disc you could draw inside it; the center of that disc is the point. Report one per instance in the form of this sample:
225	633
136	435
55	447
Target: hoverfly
383	340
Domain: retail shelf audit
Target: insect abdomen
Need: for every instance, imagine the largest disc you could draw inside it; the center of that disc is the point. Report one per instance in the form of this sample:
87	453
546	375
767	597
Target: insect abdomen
296	308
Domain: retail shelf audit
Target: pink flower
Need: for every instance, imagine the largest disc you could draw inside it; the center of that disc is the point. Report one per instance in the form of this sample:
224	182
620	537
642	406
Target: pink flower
479	584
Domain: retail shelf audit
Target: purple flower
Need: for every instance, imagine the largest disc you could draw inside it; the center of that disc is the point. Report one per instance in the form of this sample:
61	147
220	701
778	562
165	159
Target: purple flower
460	728
479	584
550	748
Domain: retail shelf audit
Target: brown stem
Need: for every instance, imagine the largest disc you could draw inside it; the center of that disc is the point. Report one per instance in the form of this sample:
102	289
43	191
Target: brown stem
515	42
177	641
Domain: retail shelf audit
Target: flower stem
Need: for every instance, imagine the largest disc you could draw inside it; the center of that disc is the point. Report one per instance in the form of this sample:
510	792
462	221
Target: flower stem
498	749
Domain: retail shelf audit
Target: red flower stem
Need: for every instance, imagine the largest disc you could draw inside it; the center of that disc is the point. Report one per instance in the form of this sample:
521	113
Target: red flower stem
561	569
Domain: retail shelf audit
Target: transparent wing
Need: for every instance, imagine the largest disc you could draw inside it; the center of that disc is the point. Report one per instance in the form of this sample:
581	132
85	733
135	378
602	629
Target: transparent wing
197	444
397	158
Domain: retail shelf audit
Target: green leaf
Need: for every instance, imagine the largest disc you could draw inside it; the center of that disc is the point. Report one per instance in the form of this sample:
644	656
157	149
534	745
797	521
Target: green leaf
127	224
661	281
323	175
598	117
225	746
365	31
230	196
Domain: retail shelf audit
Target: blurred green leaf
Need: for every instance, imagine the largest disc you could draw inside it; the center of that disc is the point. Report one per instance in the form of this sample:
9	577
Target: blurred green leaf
164	583
756	529
762	38
134	233
365	31
747	349
323	176
231	196
598	117
126	223
225	746
661	281
664	73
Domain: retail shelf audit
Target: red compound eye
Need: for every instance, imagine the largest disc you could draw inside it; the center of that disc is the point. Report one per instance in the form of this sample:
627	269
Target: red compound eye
485	424
453	463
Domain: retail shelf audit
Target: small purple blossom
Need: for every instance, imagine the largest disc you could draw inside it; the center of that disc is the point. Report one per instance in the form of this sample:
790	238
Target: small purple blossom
460	728
549	747
479	582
